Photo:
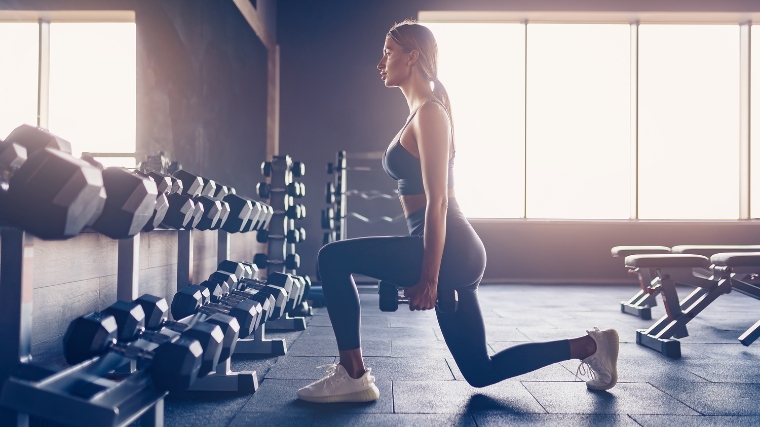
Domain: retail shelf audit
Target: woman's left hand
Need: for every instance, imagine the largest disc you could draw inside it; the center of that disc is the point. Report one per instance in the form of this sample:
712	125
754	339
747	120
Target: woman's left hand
422	296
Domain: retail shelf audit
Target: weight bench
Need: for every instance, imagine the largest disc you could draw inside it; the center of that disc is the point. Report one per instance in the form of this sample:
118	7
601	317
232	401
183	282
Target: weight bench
669	269
736	265
640	305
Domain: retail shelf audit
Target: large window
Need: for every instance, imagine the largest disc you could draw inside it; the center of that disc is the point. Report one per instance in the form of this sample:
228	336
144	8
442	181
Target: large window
578	114
93	87
689	121
19	50
88	92
488	109
621	121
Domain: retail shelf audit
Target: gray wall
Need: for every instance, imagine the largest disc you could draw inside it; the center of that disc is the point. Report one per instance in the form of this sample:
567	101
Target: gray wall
201	98
332	99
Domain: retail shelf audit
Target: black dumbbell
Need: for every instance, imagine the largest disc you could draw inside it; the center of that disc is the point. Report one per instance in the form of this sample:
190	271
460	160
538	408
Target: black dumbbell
219	194
130	203
266	169
265	190
240	210
328	219
390	299
44	190
130	321
222	294
174	364
291	261
157	319
330	193
181	211
212	212
238	286
298	169
192	185
258	218
164	186
189	301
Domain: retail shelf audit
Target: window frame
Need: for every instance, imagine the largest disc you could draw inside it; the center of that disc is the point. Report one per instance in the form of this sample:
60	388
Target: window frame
743	19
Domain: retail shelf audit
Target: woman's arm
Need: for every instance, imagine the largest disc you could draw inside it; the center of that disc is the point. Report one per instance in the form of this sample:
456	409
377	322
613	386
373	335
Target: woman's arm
432	132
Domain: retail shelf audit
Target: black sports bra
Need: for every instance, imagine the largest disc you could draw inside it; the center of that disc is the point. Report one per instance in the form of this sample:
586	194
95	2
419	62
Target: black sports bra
402	166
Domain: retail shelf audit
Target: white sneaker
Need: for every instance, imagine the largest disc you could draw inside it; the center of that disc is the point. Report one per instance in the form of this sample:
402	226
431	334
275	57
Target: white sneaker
602	365
338	386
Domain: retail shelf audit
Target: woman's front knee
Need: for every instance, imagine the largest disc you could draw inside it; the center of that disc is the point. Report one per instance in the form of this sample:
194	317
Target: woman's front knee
477	378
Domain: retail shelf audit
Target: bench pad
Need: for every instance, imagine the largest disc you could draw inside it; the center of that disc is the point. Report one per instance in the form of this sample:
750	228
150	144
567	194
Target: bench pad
667	260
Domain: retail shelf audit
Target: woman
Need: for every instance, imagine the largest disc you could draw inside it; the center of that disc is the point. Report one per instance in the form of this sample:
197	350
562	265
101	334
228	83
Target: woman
443	252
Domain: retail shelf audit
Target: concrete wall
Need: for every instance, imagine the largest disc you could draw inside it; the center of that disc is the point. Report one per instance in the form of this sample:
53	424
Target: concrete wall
332	99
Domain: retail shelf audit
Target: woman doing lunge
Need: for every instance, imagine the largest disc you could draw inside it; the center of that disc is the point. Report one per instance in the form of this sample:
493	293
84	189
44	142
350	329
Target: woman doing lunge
441	253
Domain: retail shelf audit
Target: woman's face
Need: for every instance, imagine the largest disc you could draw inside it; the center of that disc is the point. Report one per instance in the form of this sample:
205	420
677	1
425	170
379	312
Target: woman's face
394	67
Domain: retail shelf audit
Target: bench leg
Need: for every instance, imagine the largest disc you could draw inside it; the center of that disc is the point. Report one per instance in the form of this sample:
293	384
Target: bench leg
750	335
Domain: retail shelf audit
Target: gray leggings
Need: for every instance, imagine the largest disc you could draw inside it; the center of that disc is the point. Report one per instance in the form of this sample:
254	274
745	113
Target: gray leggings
398	260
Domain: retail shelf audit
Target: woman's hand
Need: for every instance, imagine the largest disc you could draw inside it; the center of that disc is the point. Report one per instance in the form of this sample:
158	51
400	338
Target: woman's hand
422	296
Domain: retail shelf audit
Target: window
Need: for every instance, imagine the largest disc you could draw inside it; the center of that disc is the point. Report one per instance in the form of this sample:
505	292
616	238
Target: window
755	124
488	109
19	48
93	87
91	81
689	121
578	116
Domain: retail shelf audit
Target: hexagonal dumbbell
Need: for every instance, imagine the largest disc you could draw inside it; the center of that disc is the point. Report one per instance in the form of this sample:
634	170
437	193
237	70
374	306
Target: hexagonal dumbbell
221	293
328	219
49	193
156	319
164	186
130	320
130	203
190	301
294	189
240	211
174	364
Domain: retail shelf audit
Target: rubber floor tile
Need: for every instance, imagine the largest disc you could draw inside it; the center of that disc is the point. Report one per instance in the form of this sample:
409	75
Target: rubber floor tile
440	397
624	398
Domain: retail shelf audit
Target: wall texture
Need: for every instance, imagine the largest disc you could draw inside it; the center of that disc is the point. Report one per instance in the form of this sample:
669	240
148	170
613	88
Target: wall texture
333	99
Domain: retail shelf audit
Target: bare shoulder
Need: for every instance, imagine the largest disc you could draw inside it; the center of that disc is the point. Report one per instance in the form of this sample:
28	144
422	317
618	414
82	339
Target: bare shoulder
432	117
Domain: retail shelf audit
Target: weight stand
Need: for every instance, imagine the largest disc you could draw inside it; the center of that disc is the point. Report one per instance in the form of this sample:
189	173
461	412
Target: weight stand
80	396
74	396
261	345
224	378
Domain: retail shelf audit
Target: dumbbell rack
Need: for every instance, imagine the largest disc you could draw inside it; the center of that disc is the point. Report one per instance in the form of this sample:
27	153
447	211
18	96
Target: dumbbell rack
280	172
336	199
70	395
224	378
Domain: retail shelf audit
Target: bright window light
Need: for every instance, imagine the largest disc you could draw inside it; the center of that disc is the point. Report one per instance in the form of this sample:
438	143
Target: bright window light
19	49
578	121
755	124
689	121
93	87
482	67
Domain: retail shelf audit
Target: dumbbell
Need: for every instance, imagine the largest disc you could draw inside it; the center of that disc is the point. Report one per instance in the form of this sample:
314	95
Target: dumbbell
301	307
292	236
390	299
189	301
276	296
258	218
265	190
301	192
45	190
240	210
219	194
164	187
330	193
247	279
291	261
157	319
298	169
328	219
174	364
102	195
130	322
212	212
222	288
180	213
130	203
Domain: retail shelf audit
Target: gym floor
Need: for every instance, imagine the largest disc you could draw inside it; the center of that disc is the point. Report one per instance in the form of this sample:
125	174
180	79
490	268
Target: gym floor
716	382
